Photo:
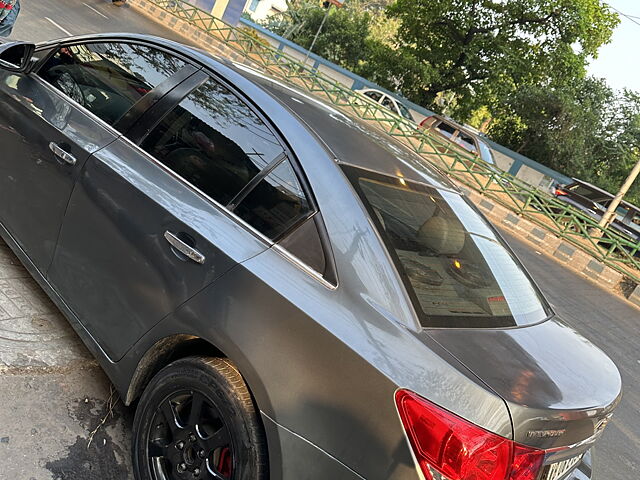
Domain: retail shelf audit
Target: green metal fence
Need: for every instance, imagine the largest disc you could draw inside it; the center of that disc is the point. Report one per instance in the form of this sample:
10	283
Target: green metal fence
541	208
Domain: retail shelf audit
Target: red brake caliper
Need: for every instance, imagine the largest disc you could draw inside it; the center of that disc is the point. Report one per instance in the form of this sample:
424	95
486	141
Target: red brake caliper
224	464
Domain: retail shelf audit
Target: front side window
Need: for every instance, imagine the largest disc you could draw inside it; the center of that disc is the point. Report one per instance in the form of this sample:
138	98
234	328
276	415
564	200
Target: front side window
485	153
587	192
108	78
214	141
373	95
456	271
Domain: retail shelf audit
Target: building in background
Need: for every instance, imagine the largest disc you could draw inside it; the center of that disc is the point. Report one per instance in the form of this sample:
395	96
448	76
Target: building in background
261	9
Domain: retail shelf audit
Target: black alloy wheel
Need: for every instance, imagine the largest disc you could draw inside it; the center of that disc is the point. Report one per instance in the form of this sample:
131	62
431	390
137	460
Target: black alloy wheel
196	420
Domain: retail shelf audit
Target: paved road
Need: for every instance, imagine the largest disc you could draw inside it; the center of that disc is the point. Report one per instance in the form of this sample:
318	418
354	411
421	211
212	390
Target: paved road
612	324
48	412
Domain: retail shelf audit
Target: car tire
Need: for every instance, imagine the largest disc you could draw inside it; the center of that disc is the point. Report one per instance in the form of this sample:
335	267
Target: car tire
223	438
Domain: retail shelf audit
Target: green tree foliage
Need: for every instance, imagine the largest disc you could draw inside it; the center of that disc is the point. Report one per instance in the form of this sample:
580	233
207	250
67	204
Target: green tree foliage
585	130
482	49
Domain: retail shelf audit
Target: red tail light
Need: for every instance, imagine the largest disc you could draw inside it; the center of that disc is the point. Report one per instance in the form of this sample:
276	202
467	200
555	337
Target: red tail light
559	192
448	445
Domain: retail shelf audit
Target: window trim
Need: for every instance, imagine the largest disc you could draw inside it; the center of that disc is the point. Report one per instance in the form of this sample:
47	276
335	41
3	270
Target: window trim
152	118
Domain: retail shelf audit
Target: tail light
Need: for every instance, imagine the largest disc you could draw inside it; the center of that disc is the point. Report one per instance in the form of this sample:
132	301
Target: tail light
448	447
559	192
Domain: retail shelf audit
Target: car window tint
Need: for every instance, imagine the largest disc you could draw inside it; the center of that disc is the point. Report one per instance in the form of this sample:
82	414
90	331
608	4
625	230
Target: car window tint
276	204
586	192
446	129
214	141
373	95
108	78
466	142
457	271
388	103
404	111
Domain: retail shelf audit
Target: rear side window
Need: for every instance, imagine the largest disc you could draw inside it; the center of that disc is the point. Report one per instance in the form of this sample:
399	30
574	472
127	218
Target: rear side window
275	204
456	271
388	103
446	129
108	78
214	141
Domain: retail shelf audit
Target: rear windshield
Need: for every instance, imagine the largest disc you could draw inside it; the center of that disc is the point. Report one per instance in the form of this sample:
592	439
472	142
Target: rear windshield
457	272
586	192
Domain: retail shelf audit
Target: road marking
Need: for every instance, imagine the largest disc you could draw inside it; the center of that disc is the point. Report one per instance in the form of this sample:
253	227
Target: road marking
67	32
95	10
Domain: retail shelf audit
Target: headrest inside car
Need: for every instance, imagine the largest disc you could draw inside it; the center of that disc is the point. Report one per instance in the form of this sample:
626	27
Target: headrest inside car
444	236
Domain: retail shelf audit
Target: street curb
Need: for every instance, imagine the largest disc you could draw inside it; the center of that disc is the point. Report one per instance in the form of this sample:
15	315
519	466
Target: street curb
560	250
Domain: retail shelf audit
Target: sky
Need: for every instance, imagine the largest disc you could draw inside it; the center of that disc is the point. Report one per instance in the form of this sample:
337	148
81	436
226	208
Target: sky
619	61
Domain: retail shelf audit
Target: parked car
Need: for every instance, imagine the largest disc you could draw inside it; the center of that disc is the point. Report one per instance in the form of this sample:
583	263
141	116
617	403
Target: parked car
465	141
388	102
286	292
594	201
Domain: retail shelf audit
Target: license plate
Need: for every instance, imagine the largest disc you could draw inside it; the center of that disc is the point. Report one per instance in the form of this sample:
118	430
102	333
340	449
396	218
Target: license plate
556	471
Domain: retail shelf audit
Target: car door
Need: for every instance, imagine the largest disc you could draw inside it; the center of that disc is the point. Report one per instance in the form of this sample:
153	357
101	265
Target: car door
51	121
149	222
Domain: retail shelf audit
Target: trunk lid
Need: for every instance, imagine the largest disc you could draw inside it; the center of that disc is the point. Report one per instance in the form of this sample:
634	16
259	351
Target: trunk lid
560	388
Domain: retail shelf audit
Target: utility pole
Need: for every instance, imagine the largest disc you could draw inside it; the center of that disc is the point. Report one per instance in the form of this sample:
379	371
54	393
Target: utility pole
610	214
327	4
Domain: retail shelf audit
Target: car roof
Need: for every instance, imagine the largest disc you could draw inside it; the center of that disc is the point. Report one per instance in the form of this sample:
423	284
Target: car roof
349	139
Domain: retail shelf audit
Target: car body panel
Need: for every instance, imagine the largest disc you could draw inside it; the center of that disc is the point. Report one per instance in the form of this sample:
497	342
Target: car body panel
35	185
311	389
131	202
546	373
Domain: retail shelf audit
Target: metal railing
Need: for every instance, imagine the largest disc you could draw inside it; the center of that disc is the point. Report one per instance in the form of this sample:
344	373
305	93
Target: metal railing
541	208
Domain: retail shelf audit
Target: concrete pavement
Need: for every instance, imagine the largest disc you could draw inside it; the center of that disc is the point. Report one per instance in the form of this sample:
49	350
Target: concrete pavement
53	396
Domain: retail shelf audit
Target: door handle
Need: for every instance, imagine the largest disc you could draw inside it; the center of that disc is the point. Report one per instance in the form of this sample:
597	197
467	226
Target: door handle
184	248
62	154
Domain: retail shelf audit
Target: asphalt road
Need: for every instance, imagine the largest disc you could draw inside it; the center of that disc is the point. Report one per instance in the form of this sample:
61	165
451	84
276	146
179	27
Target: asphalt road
613	325
47	415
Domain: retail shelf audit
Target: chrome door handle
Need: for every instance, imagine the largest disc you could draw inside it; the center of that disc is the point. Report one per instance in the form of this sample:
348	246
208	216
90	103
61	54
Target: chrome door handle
183	248
62	154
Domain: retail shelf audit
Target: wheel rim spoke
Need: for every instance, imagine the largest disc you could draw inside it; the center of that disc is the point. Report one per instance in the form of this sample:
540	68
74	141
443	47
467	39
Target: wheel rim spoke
157	448
168	412
217	440
197	402
189	437
213	474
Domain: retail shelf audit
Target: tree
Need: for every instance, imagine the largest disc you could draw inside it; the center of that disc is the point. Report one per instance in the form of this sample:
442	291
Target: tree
479	48
584	130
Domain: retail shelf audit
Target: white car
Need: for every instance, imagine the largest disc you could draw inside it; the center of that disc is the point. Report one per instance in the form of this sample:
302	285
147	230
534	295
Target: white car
387	101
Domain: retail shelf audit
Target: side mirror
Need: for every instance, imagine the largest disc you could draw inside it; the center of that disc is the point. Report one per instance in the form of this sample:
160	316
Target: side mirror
16	56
